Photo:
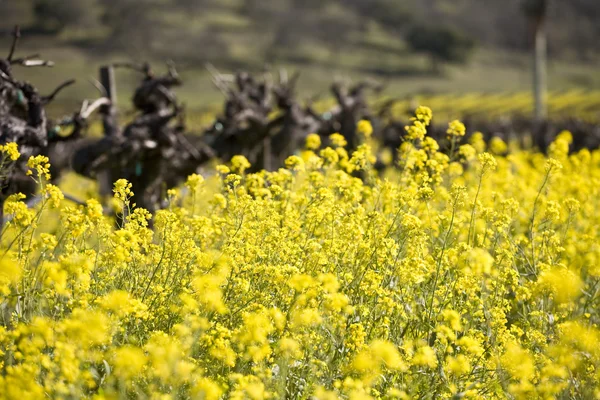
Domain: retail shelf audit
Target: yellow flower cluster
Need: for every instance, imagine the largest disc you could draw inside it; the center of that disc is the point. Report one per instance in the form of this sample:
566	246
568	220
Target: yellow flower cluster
418	129
472	277
365	128
11	150
313	141
41	165
456	128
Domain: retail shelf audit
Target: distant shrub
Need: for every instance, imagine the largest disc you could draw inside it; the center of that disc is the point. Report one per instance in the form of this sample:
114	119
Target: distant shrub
442	44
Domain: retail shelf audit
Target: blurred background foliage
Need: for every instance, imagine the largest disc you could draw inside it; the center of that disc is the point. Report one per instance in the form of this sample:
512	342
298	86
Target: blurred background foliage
415	46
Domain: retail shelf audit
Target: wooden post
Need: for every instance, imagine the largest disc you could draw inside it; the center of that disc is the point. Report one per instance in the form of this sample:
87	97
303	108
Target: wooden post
536	12
267	162
109	113
539	70
109	122
107	79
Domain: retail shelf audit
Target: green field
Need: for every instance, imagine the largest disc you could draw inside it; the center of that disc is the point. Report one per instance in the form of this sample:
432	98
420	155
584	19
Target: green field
404	74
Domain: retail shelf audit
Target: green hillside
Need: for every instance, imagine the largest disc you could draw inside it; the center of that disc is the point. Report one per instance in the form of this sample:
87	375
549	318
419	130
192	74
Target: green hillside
325	39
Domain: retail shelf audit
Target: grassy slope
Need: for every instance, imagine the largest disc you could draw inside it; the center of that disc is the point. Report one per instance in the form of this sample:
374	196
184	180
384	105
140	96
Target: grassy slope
375	54
487	72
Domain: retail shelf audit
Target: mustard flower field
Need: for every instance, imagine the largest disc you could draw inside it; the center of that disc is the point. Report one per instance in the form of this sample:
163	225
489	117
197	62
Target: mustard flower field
469	273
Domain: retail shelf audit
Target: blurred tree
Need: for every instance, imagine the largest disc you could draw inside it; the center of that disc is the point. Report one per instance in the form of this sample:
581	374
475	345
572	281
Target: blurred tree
390	14
133	24
56	15
301	21
193	6
584	31
442	44
12	13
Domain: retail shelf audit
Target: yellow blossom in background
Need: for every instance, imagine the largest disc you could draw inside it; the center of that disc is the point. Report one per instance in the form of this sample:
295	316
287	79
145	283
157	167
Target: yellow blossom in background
518	362
479	262
476	140
453	319
425	356
470	345
121	304
487	162
164	354
54	194
416	131
206	389
290	348
10	273
323	394
313	141
172	194
365	128
306	318
122	189
194	181
386	353
552	165
581	336
456	129
564	284
338	140
208	290
455	169
330	156
423	114
129	362
56	278
90	328
420	121
223	169
386	156
41	164
233	180
467	151
498	146
239	164
11	149
300	282
458	365
294	163
559	148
